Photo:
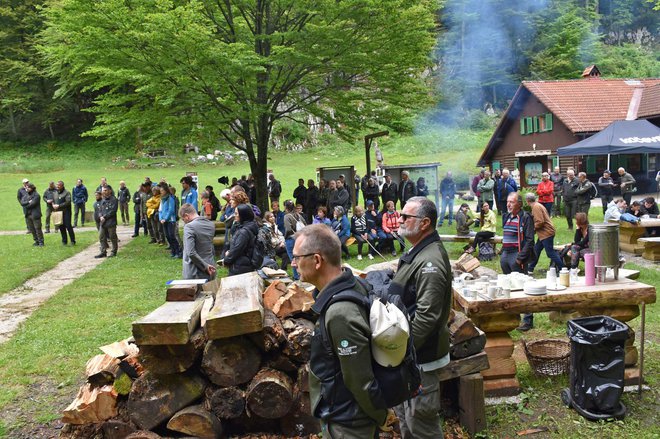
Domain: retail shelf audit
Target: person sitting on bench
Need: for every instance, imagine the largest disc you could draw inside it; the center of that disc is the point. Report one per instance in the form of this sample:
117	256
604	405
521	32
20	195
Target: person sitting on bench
488	222
580	245
464	220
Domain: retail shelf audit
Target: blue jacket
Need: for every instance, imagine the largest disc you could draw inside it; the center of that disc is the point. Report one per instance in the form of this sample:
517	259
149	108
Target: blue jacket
279	220
342	227
505	188
167	209
190	196
79	194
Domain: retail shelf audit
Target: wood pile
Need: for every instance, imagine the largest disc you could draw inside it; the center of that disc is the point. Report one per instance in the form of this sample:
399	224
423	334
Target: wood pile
224	363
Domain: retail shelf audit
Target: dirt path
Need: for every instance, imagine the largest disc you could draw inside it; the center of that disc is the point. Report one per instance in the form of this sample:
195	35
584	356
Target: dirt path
17	305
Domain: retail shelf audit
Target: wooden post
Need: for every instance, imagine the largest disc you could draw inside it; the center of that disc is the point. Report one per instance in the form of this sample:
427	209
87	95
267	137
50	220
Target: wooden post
471	407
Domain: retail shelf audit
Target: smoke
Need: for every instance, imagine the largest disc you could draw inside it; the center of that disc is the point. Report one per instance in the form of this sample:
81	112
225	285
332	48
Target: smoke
480	55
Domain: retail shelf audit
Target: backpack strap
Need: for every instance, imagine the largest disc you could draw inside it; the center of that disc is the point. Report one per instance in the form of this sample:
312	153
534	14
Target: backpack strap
346	295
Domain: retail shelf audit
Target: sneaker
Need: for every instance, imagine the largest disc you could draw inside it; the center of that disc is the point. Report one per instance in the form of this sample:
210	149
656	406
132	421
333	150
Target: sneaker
524	327
359	257
101	255
370	256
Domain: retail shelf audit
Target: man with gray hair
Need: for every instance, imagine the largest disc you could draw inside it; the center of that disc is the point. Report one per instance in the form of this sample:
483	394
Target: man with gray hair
558	182
584	190
342	384
570	197
406	188
423	280
627	184
198	253
517	236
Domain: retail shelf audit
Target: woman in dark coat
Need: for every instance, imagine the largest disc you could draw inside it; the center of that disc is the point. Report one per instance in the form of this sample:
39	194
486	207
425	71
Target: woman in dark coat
241	247
372	192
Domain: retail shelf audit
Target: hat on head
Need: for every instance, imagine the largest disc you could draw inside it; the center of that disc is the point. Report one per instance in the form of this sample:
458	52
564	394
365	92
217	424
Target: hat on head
606	171
370	202
389	334
224	193
25	180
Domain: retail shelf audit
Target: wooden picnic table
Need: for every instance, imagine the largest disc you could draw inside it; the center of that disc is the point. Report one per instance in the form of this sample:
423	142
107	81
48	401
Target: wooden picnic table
620	299
629	234
651	248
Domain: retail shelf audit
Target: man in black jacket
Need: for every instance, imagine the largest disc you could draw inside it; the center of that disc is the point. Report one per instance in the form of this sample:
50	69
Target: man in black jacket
22	191
31	203
406	188
124	197
49	196
311	200
108	219
300	193
388	191
243	239
274	188
79	197
62	203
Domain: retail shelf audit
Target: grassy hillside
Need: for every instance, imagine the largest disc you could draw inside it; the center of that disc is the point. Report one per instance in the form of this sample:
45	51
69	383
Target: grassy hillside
457	150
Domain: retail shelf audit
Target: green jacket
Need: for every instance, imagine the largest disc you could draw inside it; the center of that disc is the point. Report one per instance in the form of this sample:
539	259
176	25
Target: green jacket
423	279
342	386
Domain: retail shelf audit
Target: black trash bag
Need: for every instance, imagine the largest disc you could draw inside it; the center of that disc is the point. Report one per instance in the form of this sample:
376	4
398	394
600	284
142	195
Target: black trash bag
597	363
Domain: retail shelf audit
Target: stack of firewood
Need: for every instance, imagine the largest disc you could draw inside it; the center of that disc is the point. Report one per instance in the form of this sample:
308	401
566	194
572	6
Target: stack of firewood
227	361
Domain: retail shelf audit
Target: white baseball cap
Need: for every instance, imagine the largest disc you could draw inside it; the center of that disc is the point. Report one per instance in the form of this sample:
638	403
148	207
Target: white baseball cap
389	334
25	180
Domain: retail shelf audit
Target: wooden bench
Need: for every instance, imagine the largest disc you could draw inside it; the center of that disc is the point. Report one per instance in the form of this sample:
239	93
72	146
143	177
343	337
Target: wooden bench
651	248
470	239
629	234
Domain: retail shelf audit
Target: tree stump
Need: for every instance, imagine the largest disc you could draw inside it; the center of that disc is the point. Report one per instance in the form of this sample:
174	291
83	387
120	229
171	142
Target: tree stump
197	422
230	362
226	403
270	394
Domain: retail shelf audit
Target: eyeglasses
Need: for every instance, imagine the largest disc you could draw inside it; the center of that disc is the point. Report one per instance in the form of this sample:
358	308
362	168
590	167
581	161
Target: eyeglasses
405	216
296	258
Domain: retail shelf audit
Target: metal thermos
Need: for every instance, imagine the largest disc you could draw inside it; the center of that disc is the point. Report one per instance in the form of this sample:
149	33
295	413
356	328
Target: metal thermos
604	243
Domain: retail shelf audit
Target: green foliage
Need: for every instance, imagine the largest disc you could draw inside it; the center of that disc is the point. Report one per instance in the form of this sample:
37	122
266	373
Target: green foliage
628	61
235	68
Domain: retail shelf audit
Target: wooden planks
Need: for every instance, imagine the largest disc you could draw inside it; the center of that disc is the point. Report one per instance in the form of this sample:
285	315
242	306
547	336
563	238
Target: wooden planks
651	248
464	366
471	407
238	307
171	323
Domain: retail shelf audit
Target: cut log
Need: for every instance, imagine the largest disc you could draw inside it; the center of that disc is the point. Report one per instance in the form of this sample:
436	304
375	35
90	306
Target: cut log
237	308
303	378
471	407
197	422
171	323
121	349
299	340
273	293
226	403
293	302
496	322
468	263
143	434
273	331
468	347
461	329
155	398
631	376
464	366
299	422
230	362
499	345
631	356
101	370
181	293
500	368
270	394
115	429
502	387
168	359
91	405
281	362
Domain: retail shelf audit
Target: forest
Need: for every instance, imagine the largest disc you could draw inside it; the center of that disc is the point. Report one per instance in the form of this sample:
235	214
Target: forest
479	53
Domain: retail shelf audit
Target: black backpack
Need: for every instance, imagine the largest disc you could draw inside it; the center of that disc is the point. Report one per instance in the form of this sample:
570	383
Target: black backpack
397	384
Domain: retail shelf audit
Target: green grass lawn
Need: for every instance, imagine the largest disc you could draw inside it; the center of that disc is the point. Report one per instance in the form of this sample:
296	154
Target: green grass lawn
21	261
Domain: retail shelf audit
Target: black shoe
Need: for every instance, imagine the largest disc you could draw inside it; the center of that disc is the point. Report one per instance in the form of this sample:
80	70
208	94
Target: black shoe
524	327
36	244
112	255
134	236
101	255
73	242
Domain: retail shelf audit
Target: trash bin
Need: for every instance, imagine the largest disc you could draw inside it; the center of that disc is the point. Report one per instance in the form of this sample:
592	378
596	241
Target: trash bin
597	367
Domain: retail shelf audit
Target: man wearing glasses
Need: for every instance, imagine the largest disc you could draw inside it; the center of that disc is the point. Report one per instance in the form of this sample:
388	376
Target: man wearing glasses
340	362
423	280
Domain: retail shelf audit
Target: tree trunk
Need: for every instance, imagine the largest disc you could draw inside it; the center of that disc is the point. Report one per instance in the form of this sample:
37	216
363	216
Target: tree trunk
270	394
197	422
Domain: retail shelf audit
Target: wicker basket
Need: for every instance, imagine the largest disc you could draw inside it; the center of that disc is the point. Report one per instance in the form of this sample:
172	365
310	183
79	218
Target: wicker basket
549	357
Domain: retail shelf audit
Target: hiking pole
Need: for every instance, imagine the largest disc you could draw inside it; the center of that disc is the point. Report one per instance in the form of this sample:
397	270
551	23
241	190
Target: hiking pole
377	252
400	239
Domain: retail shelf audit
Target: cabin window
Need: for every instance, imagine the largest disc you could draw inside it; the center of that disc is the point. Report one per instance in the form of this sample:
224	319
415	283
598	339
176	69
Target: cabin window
536	124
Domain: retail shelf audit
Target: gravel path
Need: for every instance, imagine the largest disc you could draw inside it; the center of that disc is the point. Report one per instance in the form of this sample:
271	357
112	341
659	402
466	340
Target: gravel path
17	305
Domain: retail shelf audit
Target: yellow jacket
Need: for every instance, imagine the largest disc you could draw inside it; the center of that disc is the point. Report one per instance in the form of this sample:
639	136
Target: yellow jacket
153	204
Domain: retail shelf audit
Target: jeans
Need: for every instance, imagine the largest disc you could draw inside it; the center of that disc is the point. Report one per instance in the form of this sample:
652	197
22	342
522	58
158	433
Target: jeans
447	202
78	207
170	228
289	242
605	200
549	245
548	207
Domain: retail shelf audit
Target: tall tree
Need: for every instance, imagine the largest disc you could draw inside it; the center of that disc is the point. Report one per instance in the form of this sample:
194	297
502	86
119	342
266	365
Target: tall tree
234	67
